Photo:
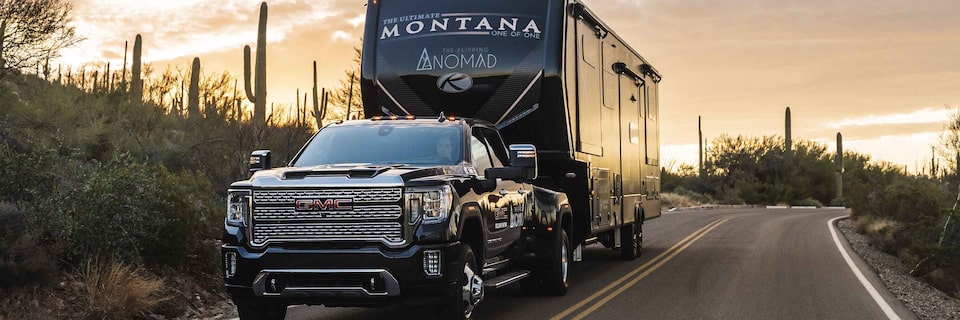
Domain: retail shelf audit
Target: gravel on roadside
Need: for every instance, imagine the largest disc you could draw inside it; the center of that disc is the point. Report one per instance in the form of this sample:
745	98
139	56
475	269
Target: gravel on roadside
923	299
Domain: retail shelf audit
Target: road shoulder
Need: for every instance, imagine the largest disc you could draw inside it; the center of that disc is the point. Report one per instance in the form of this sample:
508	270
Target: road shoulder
922	300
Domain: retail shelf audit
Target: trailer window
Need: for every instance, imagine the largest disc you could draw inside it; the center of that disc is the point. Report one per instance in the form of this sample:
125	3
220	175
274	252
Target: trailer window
611	87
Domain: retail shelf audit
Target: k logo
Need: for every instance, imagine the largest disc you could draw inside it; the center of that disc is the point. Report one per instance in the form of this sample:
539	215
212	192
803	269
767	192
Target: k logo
454	82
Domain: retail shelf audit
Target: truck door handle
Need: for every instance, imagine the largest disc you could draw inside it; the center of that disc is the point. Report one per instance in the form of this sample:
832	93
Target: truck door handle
504	192
522	191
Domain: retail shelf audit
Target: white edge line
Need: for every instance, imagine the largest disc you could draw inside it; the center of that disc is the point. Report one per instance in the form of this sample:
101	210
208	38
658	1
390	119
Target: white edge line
856	271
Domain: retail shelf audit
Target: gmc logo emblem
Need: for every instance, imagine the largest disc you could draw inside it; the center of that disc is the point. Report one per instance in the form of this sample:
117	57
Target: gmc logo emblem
324	204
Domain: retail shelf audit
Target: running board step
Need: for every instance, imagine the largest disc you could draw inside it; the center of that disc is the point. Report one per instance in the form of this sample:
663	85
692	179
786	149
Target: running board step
590	241
506	279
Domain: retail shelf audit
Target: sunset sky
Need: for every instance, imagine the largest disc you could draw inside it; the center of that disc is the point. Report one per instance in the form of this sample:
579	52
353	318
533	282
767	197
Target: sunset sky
884	73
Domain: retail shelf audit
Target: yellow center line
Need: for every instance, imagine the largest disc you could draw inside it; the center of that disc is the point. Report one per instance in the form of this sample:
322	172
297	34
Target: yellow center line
644	274
613	284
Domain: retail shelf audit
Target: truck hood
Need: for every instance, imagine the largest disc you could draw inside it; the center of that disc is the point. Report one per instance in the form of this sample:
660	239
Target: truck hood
353	175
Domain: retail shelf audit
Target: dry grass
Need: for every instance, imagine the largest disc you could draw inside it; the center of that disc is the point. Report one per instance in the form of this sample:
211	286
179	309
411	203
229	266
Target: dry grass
115	290
881	231
673	200
882	228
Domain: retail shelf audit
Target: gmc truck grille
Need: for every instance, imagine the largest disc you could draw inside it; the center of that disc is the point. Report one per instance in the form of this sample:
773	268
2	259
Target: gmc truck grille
373	215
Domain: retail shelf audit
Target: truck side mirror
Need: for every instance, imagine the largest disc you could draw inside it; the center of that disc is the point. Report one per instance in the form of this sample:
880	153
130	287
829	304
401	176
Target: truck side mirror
259	160
524	156
523	164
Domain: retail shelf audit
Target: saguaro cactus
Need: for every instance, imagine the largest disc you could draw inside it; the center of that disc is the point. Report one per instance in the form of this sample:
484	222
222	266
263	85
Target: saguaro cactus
259	95
838	171
700	149
136	84
788	144
319	109
193	107
3	31
107	77
123	74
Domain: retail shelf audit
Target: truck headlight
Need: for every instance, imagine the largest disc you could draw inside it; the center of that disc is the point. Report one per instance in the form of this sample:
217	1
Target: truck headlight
238	207
432	204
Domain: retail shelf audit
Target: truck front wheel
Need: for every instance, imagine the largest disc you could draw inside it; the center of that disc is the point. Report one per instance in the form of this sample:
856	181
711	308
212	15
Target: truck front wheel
469	291
555	279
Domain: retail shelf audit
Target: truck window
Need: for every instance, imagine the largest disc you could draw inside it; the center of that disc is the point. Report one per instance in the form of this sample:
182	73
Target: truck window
383	144
499	151
479	153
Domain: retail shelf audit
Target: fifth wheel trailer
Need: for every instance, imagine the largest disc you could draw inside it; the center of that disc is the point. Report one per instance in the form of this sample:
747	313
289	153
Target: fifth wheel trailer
547	73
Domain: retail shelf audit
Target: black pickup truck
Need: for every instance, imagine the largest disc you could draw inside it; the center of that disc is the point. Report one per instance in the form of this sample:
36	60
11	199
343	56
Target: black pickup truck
381	211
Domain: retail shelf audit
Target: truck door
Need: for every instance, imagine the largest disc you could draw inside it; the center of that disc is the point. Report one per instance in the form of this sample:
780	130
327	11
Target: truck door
504	206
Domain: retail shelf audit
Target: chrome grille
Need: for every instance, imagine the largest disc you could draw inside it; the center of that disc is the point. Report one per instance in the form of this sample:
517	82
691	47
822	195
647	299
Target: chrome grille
358	195
389	232
375	216
358	213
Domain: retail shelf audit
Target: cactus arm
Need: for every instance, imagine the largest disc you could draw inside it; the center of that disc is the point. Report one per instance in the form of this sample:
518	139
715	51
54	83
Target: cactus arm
246	75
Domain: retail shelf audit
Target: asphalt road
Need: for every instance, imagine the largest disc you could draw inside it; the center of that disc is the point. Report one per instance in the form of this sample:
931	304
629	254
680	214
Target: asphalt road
711	264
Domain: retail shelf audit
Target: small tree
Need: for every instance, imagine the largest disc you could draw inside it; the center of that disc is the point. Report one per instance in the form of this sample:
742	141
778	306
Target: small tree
33	31
347	96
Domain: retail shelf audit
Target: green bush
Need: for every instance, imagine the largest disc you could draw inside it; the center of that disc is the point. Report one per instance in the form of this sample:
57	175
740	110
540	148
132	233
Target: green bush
134	212
24	260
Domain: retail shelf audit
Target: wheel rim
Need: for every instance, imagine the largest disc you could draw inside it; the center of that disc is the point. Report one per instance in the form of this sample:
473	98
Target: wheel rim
638	237
563	261
472	290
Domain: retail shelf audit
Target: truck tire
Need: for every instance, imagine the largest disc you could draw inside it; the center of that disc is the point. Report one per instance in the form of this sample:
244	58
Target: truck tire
631	240
555	280
250	310
470	288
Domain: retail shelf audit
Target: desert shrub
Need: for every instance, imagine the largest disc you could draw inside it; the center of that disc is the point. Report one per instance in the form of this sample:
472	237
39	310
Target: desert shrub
882	232
26	176
673	200
808	202
133	212
114	290
936	261
24	260
697	198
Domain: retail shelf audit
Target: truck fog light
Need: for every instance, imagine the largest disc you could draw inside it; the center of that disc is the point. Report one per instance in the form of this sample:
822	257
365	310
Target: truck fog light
431	262
230	264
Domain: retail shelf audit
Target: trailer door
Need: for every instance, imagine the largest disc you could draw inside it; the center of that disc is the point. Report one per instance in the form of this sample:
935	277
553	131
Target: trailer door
630	126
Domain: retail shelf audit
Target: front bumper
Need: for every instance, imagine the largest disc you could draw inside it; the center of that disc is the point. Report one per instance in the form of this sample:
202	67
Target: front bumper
367	276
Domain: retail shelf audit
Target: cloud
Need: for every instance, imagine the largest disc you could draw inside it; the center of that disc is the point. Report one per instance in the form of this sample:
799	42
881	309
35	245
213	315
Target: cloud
923	116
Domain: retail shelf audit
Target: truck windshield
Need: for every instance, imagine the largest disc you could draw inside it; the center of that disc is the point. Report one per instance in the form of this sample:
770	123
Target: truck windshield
384	144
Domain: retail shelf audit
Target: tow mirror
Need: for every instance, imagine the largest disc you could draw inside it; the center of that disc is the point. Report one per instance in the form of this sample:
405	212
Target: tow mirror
523	164
524	156
259	160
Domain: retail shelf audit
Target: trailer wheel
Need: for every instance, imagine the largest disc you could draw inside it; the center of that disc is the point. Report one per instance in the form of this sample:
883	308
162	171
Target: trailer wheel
469	291
250	310
631	240
555	278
